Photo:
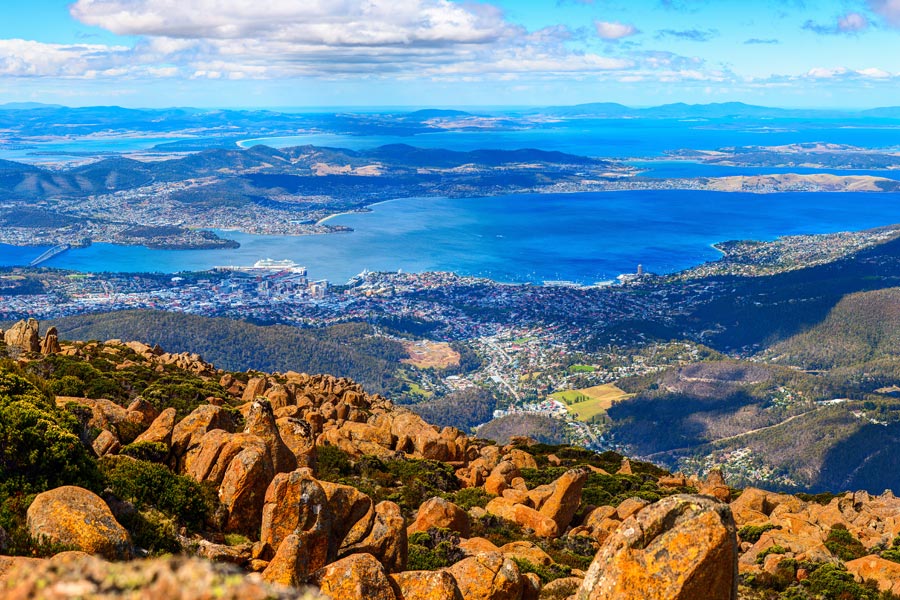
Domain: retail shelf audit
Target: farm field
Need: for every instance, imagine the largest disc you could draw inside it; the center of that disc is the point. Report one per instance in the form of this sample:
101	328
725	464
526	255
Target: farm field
587	403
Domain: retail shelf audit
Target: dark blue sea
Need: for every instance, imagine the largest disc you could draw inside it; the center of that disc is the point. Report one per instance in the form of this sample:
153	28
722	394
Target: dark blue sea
585	237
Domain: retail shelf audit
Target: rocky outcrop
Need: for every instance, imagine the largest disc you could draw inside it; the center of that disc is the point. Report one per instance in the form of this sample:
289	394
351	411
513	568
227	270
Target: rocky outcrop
386	540
356	576
488	576
160	430
174	578
296	506
73	516
885	573
50	344
715	486
443	514
23	336
425	585
681	548
106	414
566	496
106	443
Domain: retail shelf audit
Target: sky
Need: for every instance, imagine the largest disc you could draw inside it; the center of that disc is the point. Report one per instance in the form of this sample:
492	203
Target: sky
416	53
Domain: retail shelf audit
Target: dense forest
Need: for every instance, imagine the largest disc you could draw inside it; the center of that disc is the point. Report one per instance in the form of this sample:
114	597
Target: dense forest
545	430
463	409
345	350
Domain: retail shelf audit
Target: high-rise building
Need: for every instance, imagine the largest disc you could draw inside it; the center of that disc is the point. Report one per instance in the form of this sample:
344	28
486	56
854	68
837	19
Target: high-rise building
640	270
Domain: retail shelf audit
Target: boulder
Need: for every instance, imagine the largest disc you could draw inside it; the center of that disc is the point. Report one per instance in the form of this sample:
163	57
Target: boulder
386	540
50	344
525	516
715	486
488	576
525	550
190	430
160	430
296	505
172	578
521	459
425	585
254	389
681	548
501	478
629	507
23	336
106	443
560	589
356	576
261	423
531	586
293	562
477	545
76	517
354	515
566	496
884	572
443	514
298	435
243	489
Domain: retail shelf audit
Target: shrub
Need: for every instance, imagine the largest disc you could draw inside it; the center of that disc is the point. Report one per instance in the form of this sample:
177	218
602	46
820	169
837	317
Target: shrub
833	582
39	445
434	549
467	498
153	531
148	451
776	549
843	545
752	533
546	573
151	485
333	464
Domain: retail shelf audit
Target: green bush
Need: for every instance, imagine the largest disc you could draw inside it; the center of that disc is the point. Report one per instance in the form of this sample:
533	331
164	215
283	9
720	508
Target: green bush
546	573
833	582
151	485
776	549
153	531
39	444
752	533
467	498
333	464
434	549
843	545
149	451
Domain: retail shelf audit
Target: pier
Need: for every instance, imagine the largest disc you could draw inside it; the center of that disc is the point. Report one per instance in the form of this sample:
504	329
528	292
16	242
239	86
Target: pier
54	251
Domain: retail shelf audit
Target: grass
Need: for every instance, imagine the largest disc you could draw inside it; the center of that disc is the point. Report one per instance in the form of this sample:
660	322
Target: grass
593	401
582	369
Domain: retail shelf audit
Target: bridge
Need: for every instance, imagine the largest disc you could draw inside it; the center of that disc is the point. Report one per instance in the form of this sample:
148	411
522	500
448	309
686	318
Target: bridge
54	251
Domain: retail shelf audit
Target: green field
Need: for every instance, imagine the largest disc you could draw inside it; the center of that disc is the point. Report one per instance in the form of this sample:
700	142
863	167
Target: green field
590	402
582	369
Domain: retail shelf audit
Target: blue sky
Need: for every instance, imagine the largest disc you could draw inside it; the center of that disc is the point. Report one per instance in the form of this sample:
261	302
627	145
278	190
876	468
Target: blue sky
829	53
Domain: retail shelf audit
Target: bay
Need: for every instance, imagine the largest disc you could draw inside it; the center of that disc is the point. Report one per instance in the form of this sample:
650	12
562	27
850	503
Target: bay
585	237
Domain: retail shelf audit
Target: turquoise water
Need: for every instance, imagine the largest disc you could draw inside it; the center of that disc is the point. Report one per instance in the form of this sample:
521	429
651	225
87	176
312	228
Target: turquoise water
584	237
626	138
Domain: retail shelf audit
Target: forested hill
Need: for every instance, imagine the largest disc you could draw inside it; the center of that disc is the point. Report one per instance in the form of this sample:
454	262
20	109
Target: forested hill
346	350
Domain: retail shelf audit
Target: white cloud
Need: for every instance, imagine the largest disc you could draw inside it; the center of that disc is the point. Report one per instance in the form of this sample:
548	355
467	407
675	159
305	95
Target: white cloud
888	9
874	73
825	73
28	58
852	22
613	30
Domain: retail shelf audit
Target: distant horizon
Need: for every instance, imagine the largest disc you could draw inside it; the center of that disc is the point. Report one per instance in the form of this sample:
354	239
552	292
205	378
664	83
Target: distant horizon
25	105
831	54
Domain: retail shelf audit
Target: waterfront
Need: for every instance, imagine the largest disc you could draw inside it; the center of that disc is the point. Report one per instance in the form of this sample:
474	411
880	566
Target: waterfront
584	237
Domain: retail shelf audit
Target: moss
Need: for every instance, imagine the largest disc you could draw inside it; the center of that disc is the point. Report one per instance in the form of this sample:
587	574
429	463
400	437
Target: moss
776	549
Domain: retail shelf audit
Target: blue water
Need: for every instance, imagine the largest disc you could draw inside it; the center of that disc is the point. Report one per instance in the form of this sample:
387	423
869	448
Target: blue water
584	237
37	152
625	138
